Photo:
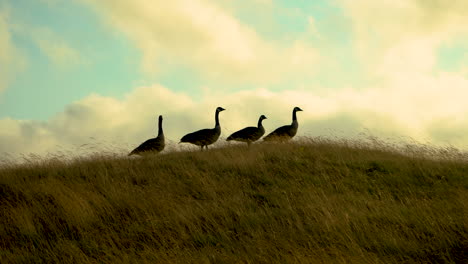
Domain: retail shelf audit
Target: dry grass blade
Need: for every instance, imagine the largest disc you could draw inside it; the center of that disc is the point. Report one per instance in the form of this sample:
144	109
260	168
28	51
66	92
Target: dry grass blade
312	201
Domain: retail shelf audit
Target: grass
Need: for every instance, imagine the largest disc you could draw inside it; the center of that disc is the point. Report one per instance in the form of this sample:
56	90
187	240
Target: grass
313	201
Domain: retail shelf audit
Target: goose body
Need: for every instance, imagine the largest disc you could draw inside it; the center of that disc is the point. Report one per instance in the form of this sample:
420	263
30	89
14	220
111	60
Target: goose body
249	134
205	137
155	145
287	132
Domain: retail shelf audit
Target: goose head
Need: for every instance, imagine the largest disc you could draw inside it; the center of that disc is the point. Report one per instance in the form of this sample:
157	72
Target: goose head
219	109
263	117
296	109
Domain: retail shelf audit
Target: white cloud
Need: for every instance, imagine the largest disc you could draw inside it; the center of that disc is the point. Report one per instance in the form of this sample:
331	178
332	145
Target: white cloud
397	41
11	59
313	27
105	122
403	35
206	37
59	52
55	48
398	44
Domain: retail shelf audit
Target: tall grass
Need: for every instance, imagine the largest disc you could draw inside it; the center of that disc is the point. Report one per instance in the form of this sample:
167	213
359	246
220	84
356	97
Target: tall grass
313	201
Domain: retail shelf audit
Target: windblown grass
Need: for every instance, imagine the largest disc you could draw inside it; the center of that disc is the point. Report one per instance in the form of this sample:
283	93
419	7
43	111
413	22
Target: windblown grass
313	201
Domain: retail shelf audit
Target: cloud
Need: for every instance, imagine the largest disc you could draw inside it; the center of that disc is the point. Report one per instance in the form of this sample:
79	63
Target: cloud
26	136
398	36
59	52
395	42
57	49
105	123
452	131
313	27
11	58
207	38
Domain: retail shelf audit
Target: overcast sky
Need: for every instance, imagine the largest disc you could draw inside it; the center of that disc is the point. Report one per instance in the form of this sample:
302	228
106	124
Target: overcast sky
76	72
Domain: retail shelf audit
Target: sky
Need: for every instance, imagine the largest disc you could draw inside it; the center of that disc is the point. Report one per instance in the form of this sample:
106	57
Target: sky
75	73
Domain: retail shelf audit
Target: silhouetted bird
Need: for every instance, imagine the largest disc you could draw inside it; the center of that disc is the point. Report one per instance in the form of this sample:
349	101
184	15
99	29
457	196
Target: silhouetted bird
287	132
249	134
205	137
153	144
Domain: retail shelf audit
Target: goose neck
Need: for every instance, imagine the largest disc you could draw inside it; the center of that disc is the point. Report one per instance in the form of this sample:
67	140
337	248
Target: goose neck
217	119
260	123
160	129
294	119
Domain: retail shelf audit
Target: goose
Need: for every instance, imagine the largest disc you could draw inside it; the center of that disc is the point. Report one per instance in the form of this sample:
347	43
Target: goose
153	144
205	137
249	134
285	133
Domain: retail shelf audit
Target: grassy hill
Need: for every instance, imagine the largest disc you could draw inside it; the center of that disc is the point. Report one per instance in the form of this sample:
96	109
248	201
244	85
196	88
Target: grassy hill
314	201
